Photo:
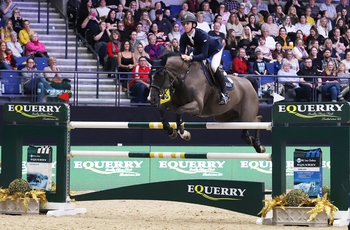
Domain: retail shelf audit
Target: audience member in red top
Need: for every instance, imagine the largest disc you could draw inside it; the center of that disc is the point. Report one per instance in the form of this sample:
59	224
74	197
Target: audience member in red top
193	6
240	63
113	48
139	86
35	48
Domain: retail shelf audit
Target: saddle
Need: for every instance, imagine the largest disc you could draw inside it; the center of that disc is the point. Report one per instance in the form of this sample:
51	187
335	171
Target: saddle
209	75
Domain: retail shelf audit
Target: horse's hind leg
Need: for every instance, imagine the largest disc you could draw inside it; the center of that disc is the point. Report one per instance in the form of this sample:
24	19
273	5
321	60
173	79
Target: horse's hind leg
255	141
184	134
166	126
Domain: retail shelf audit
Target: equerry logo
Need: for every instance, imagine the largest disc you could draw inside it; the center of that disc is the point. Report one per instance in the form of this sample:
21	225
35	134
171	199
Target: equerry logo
216	193
123	168
36	111
206	168
309	111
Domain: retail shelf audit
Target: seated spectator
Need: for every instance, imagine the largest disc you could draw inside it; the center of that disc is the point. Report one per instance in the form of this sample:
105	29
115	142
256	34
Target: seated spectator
293	62
139	85
346	61
289	27
246	45
218	19
309	84
225	14
84	12
34	48
292	13
162	23
145	22
140	35
232	43
324	14
278	16
6	8
208	15
152	13
277	65
145	5
103	10
278	51
24	34
216	32
327	58
347	39
323	29
167	15
309	18
328	44
133	41
344	77
270	41
315	9
247	35
175	32
270	26
291	84
341	25
119	14
273	6
299	34
175	46
193	6
91	26
316	58
265	50
261	7
299	50
303	25
283	38
161	37
247	6
111	20
127	61
153	50
201	24
134	8
113	48
140	52
17	20
240	64
259	66
34	82
6	31
53	76
232	6
129	22
315	36
14	45
101	39
241	15
297	4
124	34
233	23
330	83
338	42
213	5
254	26
185	7
7	61
328	6
343	5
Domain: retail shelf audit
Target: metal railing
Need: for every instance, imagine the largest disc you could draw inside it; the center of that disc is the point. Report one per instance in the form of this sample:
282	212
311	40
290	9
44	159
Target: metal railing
53	4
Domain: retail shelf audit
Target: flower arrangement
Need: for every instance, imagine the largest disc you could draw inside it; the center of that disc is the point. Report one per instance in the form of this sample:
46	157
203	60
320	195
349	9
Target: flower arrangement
20	189
299	198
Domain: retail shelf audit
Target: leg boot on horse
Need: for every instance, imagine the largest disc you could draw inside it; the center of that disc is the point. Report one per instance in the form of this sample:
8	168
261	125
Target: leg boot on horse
224	97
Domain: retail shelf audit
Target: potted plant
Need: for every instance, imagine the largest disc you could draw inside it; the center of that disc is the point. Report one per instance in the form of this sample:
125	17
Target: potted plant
20	198
297	208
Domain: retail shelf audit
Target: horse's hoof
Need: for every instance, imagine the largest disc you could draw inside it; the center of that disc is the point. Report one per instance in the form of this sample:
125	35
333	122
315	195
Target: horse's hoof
173	135
262	149
186	135
259	148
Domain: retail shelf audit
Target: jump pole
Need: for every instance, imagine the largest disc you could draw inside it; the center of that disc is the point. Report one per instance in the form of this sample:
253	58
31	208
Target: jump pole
172	155
159	125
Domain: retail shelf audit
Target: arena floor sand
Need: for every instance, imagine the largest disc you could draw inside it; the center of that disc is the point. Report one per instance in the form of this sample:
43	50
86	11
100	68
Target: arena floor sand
135	215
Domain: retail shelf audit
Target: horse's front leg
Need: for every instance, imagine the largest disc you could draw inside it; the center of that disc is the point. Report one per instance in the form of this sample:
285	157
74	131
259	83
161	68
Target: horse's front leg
166	126
184	134
259	148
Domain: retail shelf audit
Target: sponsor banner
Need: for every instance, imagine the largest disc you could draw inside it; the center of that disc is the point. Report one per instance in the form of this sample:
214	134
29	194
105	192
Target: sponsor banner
99	173
311	112
35	112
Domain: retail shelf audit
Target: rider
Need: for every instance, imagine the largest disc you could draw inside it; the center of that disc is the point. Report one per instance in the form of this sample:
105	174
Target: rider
205	46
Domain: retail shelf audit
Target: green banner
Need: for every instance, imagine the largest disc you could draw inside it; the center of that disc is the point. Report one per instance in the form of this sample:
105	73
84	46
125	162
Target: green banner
311	112
97	173
35	112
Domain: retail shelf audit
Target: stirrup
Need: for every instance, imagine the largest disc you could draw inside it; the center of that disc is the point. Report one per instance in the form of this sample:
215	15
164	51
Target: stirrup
225	98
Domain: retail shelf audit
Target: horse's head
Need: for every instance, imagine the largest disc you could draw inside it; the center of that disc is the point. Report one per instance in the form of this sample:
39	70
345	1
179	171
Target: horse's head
158	85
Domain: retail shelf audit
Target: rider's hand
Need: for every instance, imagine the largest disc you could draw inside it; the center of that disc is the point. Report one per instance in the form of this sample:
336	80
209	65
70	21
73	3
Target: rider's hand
186	57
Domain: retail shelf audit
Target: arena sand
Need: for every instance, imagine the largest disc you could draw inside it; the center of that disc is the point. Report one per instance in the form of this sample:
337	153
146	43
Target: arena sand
135	215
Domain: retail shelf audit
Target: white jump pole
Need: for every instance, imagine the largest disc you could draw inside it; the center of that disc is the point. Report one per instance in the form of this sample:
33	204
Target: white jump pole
181	155
159	125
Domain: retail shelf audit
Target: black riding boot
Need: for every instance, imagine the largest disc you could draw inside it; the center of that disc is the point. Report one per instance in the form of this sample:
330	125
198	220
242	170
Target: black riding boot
224	97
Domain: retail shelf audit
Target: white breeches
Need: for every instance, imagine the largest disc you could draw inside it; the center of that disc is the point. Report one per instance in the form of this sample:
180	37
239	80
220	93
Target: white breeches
216	60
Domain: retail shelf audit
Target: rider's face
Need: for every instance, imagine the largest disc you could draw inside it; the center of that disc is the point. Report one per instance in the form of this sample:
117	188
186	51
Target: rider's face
187	26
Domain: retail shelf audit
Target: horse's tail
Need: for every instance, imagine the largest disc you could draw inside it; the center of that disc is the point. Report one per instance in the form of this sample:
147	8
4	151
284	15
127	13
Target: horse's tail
254	82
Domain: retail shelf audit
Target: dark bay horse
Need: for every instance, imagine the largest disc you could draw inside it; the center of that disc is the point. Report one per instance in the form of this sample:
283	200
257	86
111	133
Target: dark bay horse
191	93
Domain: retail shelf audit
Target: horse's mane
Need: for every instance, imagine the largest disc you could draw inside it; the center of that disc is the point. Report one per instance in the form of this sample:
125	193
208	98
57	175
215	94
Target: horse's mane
166	54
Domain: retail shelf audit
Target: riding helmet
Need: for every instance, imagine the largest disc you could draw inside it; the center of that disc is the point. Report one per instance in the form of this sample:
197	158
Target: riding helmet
189	17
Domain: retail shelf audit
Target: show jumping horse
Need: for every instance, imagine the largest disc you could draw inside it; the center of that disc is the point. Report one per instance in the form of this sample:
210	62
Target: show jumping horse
190	92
